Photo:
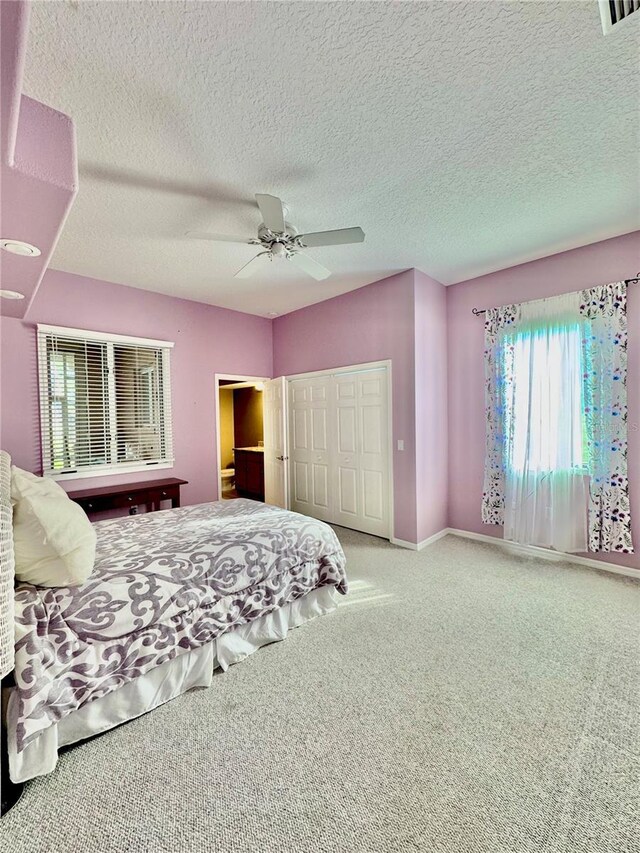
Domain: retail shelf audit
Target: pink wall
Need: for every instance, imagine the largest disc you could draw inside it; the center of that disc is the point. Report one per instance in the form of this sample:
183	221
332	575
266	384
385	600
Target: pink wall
371	324
38	168
207	340
402	318
14	26
610	260
428	331
431	405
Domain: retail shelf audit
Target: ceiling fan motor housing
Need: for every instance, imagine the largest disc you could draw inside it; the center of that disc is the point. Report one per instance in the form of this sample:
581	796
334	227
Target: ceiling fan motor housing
269	239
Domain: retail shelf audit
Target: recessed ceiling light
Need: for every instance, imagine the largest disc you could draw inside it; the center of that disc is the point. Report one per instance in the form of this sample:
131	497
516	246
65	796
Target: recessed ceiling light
18	247
11	294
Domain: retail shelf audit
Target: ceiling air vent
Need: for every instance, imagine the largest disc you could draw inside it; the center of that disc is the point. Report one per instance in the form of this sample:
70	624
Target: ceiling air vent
614	12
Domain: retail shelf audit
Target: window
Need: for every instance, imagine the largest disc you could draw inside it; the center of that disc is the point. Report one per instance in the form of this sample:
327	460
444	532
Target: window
105	403
544	407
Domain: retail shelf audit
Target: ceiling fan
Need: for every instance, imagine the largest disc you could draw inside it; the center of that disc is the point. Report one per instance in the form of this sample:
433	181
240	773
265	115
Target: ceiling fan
279	239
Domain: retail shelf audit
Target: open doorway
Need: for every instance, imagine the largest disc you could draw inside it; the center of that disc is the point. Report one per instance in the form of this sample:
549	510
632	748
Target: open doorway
240	430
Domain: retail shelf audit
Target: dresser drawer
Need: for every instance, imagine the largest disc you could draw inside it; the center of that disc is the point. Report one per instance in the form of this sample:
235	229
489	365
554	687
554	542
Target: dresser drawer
170	493
128	499
97	504
101	503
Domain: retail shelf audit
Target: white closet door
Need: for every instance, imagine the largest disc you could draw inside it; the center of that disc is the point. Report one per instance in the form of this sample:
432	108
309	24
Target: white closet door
339	449
310	443
361	467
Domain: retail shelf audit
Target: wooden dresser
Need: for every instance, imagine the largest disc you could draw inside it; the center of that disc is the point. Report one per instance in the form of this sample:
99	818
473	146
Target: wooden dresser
249	462
149	493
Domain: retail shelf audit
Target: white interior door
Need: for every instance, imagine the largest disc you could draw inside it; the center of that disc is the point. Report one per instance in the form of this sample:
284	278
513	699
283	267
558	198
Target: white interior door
276	465
339	447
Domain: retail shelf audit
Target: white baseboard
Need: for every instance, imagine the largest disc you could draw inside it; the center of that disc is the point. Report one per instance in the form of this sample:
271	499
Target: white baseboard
544	553
528	550
418	546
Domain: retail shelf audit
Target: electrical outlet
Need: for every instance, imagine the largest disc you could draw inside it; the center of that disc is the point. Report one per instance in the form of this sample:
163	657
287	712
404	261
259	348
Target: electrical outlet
400	444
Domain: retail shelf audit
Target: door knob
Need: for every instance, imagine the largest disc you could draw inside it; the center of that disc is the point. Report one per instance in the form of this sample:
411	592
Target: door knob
281	458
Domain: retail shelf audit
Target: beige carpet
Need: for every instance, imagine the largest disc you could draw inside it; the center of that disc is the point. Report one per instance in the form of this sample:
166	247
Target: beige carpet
459	700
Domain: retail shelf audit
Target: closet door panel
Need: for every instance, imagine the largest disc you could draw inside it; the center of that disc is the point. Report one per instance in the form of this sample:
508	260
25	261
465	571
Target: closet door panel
319	391
347	491
310	479
373	495
319	430
300	492
298	394
300	431
320	444
321	486
345	388
372	429
374	455
345	457
362	456
300	475
347	429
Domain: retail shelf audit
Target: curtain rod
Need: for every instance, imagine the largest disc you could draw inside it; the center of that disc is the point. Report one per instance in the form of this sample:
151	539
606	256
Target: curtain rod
478	311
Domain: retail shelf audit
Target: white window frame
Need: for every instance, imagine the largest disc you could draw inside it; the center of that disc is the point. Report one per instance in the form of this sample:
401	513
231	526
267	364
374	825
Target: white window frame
108	469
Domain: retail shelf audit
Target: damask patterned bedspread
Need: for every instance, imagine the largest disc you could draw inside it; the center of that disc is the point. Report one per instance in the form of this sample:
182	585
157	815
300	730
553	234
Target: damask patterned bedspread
163	583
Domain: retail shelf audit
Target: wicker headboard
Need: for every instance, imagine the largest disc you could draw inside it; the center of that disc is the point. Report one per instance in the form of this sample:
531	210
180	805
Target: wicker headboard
6	567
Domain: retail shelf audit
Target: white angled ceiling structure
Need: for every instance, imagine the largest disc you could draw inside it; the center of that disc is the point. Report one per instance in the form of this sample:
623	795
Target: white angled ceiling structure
463	137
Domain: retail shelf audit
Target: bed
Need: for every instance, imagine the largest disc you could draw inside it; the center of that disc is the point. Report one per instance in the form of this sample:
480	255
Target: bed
173	595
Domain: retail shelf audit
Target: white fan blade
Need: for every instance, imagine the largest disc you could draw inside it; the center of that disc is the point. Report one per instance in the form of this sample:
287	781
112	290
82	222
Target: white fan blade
332	238
311	267
272	212
217	238
248	269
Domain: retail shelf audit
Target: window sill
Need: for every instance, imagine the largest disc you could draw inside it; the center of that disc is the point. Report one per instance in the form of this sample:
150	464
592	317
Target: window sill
545	472
108	471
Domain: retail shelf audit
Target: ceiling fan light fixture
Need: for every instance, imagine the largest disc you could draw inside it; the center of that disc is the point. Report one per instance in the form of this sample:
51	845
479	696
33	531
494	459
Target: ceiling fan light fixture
278	250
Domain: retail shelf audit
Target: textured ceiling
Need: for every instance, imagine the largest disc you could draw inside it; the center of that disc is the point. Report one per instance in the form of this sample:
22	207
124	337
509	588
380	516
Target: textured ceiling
463	137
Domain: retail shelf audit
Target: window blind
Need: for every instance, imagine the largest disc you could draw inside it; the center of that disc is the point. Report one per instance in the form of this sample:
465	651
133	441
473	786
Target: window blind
105	402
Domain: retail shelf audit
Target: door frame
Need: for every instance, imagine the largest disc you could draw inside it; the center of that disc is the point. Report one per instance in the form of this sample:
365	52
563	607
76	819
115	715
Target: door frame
235	378
387	364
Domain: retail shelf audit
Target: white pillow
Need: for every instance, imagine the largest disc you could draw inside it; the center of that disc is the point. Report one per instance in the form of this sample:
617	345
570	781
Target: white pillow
54	541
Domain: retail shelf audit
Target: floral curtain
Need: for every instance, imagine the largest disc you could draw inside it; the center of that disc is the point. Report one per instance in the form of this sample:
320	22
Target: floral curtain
605	358
602	314
498	372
